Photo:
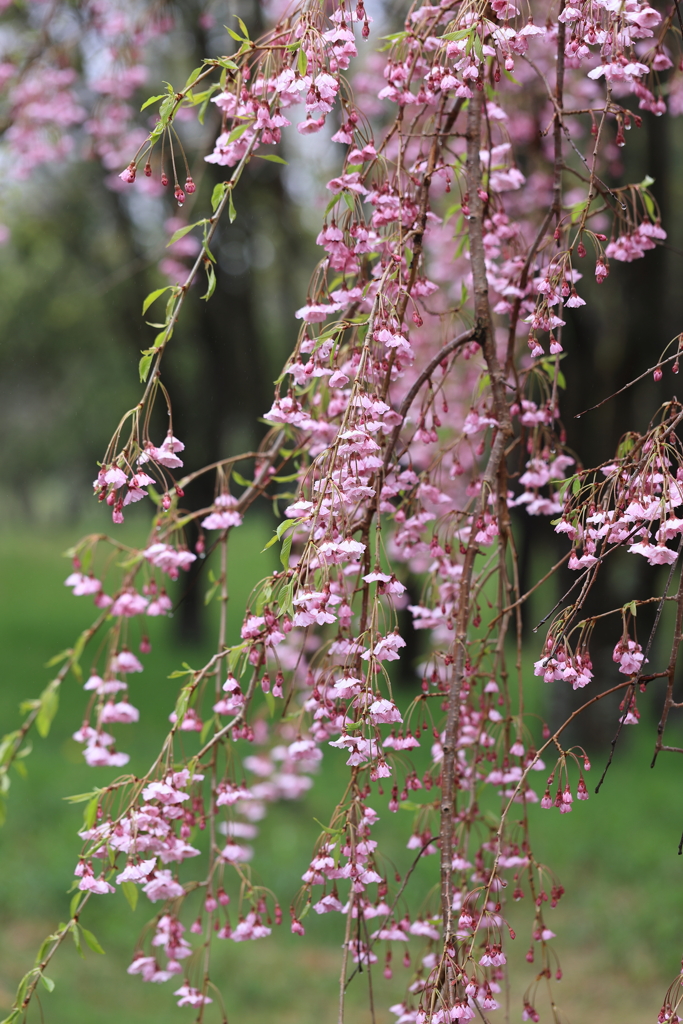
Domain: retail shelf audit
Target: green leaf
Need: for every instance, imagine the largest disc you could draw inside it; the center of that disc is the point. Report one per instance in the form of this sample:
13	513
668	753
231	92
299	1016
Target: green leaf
484	382
49	702
211	280
349	200
182	703
192	78
217	194
286	479
330	831
75	900
286	550
232	212
245	31
151	100
234	656
409	805
180	233
144	365
649	205
236	133
58	657
130	891
241	480
223	62
80	798
632	608
302	61
270	702
273	157
285	599
646	182
511	77
165	109
460	34
7	745
153	296
90	813
77	939
233	34
92	941
47	982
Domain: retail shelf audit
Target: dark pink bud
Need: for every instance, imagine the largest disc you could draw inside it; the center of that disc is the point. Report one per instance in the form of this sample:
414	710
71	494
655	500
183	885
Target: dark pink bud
190	186
129	174
164	179
179	194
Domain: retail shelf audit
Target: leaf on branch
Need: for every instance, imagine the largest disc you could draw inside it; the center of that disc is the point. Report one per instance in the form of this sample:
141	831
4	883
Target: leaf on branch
130	891
285	552
217	194
49	703
211	280
273	157
92	941
241	480
143	367
180	233
151	100
153	296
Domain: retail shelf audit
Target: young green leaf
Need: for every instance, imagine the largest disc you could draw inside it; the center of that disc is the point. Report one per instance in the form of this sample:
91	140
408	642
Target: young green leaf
217	194
151	100
49	702
211	280
92	941
143	367
153	296
130	891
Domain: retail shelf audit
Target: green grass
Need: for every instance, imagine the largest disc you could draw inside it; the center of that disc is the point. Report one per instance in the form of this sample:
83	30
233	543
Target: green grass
619	927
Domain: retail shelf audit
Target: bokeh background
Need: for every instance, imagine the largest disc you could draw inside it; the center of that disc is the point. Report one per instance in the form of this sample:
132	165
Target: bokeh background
79	260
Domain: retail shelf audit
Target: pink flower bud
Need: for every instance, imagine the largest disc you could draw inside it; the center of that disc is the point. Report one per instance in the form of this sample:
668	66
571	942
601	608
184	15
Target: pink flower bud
179	194
190	186
129	174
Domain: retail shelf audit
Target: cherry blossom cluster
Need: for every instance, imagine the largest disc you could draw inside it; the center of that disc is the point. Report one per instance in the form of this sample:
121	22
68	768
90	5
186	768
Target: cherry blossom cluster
417	417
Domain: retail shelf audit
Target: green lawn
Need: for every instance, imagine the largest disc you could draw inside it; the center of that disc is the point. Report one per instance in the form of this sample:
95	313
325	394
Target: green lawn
619	927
